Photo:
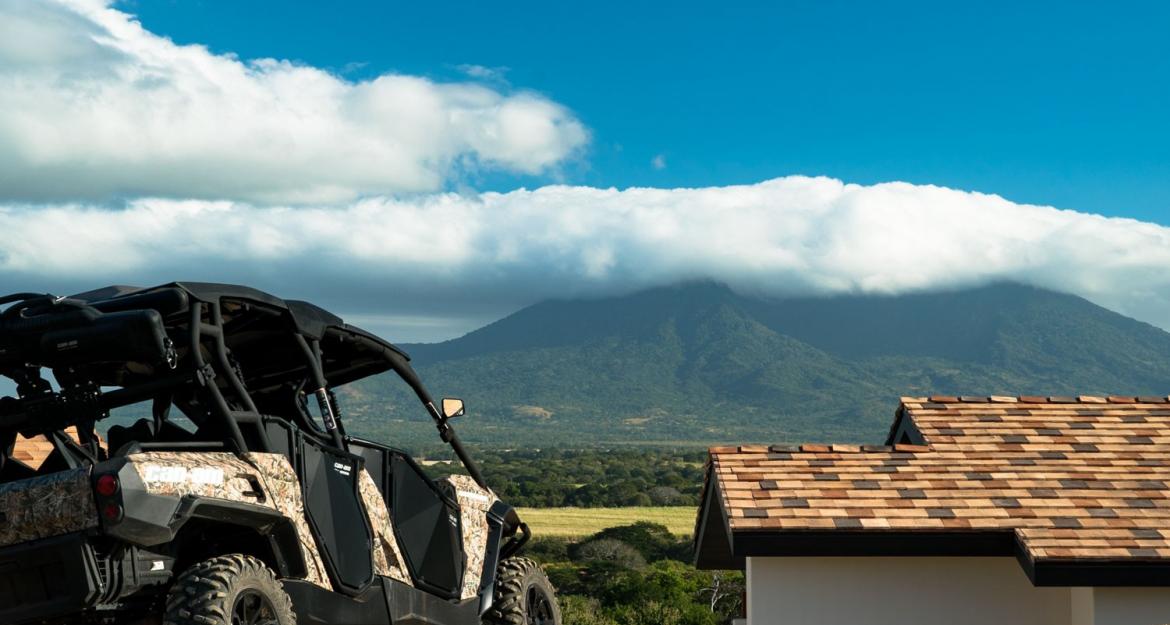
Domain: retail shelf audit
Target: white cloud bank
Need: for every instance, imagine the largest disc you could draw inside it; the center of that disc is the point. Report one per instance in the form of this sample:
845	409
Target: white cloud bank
310	185
93	106
784	236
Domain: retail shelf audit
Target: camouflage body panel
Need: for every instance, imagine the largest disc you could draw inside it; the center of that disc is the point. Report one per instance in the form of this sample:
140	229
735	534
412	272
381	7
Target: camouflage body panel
387	556
50	505
203	474
221	475
284	492
474	502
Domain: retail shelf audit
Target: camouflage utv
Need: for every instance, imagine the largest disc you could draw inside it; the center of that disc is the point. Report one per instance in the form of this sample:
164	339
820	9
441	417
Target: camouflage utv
237	498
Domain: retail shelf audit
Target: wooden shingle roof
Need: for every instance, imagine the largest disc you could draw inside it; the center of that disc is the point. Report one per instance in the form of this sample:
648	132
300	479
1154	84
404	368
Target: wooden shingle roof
33	451
1072	486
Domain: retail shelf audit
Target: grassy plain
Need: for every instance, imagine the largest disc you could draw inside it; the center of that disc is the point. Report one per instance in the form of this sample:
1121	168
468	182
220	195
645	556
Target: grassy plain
577	522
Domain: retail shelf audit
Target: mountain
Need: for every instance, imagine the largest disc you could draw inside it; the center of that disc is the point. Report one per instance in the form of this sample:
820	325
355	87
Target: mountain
699	363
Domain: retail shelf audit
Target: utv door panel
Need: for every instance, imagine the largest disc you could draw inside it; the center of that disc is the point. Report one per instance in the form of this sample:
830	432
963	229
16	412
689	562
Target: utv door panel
282	437
377	464
335	510
428	528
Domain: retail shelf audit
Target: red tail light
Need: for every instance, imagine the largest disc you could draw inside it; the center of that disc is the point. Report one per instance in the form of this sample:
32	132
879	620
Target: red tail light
107	485
112	512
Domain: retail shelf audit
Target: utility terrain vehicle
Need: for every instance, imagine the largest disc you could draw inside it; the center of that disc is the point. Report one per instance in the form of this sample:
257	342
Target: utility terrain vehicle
237	498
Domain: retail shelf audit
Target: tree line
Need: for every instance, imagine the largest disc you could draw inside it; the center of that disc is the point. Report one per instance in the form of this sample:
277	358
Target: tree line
588	478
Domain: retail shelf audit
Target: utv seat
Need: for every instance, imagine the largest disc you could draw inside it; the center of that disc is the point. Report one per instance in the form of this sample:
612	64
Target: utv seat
12	470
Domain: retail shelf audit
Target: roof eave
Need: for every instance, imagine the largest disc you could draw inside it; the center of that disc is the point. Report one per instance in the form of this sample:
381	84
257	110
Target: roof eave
926	543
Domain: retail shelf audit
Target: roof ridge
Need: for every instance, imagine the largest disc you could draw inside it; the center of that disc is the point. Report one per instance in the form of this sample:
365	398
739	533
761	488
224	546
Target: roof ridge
1036	399
815	448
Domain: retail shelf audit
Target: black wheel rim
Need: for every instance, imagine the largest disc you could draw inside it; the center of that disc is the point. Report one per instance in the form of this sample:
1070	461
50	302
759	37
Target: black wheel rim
253	608
540	610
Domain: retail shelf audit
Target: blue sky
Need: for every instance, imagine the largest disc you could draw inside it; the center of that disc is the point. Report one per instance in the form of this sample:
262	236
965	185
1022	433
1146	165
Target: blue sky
1062	104
426	168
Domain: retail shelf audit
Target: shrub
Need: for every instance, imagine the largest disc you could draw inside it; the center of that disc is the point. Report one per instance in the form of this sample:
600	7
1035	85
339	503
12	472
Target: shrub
548	549
608	581
613	551
582	611
659	613
652	540
565	576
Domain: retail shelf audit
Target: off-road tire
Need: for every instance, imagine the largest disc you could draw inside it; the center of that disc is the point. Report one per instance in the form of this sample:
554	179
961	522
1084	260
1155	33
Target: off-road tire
207	593
518	581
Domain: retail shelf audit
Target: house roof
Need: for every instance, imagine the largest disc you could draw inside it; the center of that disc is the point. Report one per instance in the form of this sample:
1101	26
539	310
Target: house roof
1077	488
33	451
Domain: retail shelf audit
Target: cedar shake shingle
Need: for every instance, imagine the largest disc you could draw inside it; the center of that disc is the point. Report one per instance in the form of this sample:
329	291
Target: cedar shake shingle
34	451
1075	478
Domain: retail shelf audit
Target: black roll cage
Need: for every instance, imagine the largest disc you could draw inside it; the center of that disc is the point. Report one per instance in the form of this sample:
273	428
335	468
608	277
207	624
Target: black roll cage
289	357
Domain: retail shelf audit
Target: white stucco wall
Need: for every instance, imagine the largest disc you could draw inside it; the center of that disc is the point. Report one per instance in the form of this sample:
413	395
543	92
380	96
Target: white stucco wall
1131	606
900	591
933	591
1082	606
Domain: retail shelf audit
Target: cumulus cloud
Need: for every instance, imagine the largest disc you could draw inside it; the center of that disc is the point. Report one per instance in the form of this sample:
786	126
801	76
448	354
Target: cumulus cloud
478	255
482	72
96	107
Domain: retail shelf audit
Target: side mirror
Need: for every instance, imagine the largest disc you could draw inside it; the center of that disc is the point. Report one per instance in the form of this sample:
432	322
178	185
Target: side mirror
453	407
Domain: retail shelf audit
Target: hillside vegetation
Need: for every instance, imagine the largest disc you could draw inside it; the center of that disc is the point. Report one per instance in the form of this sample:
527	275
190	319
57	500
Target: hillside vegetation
699	363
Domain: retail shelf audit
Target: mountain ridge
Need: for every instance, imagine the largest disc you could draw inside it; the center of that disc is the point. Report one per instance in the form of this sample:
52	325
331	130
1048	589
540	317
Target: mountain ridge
700	363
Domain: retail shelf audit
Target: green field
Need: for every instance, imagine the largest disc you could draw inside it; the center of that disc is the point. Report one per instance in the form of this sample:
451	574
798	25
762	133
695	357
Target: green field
574	522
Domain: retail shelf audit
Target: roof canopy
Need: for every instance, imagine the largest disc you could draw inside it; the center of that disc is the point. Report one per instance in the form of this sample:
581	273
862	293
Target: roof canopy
1076	488
258	328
